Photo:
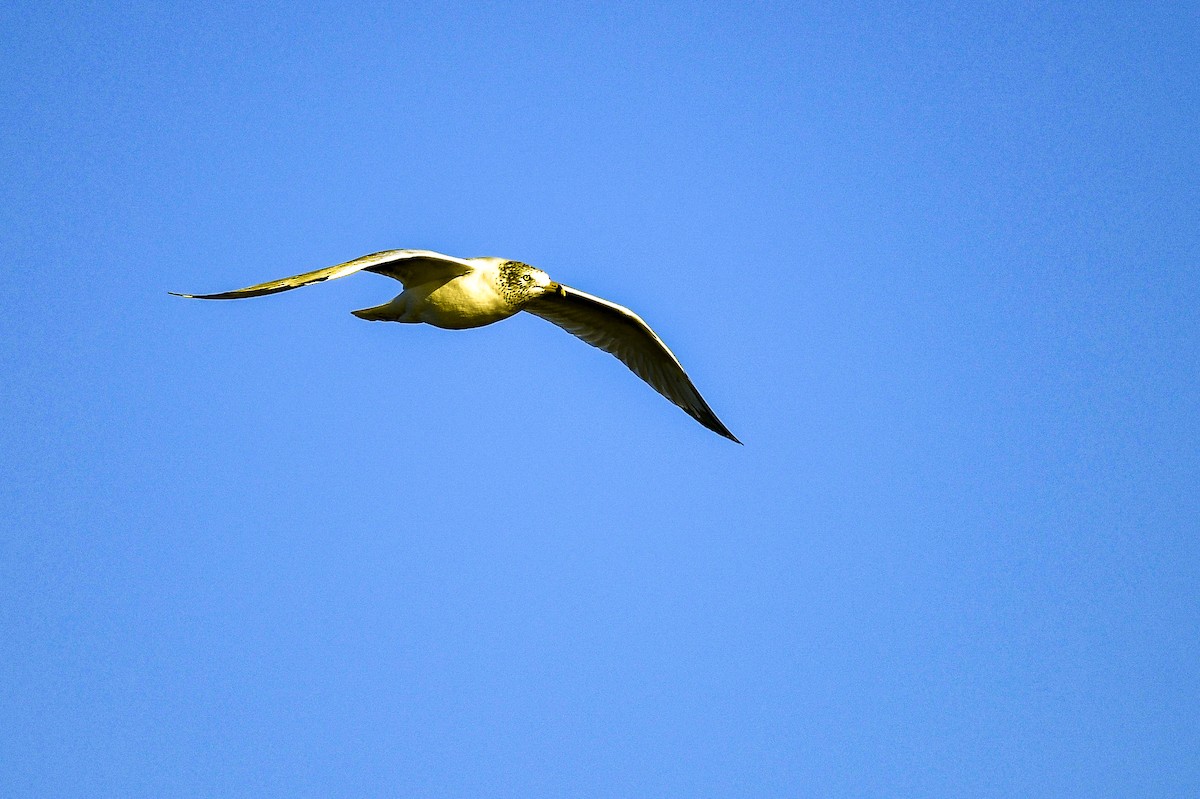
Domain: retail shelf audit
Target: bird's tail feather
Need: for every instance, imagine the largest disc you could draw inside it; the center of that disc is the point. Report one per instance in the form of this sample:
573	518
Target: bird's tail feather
393	311
380	313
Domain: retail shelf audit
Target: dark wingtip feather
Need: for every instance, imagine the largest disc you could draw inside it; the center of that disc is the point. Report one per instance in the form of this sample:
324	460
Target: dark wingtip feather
723	431
199	296
714	424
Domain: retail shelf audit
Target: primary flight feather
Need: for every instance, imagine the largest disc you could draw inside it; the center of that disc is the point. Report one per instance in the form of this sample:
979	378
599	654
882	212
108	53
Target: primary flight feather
460	293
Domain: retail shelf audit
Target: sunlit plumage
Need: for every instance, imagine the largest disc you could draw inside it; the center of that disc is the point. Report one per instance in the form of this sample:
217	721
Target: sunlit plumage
459	293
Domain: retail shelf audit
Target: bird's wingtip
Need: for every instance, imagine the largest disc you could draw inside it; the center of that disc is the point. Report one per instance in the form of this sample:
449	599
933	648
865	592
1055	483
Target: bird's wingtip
178	294
714	424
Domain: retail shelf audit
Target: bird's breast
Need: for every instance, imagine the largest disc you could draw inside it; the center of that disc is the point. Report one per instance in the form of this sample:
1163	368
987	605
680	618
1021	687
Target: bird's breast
471	300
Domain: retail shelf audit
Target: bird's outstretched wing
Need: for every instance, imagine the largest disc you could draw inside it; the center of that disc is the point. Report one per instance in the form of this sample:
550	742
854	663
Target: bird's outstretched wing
622	333
410	267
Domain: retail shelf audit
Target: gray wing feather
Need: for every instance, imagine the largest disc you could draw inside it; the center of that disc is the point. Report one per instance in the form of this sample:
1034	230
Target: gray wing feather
621	332
410	267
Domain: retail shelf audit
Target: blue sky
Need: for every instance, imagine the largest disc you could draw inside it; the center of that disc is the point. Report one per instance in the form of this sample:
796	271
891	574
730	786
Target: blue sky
934	265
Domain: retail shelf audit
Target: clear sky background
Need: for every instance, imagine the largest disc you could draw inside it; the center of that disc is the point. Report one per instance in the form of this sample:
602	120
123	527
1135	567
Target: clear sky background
936	266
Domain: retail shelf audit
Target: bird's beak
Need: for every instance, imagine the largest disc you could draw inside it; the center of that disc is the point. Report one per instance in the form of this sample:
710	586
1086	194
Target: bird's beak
556	288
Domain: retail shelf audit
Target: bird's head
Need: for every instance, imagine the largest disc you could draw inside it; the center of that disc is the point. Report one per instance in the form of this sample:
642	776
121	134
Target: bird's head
520	283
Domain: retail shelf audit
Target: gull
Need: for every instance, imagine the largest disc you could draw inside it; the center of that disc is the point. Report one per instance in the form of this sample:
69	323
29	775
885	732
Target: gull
461	293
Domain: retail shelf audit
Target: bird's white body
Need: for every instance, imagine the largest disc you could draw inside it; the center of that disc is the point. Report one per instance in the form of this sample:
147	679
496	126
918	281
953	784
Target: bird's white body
464	301
460	293
455	302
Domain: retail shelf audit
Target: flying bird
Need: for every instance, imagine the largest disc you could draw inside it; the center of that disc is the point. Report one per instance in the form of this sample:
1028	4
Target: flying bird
460	293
